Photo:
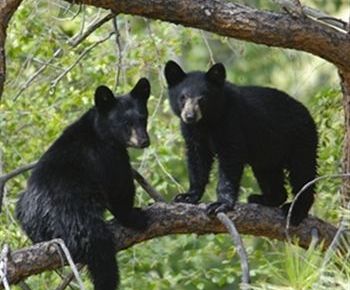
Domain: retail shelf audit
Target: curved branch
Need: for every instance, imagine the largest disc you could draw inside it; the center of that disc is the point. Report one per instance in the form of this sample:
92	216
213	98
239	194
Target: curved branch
7	8
167	219
242	22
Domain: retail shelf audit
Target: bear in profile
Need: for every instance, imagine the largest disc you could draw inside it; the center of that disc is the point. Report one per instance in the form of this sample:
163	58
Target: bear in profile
262	127
86	171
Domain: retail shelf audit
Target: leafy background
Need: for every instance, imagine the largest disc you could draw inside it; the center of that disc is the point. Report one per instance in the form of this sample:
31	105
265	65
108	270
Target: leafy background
33	112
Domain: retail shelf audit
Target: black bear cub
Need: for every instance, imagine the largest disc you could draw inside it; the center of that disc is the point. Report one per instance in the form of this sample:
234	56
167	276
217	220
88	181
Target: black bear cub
84	172
259	126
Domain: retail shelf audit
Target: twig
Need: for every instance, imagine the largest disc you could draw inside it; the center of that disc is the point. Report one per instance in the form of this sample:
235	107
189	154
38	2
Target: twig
147	187
84	53
74	42
230	226
296	9
27	84
321	16
211	55
77	39
12	174
306	186
119	51
69	278
293	7
334	244
4	255
70	261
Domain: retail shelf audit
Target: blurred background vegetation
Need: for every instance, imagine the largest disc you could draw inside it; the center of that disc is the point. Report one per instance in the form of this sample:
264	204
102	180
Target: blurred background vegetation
33	112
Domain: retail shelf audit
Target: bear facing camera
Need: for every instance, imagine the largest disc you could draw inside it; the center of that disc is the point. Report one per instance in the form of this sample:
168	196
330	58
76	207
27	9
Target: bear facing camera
84	172
243	125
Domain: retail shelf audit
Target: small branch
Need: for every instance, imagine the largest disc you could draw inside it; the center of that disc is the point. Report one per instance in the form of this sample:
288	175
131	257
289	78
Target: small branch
119	51
12	174
27	84
84	53
321	16
211	55
69	278
332	247
4	257
74	42
77	39
293	7
69	259
147	187
231	228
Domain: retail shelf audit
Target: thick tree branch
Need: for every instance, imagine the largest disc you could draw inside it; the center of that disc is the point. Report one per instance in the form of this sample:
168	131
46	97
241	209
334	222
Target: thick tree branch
7	8
167	219
242	22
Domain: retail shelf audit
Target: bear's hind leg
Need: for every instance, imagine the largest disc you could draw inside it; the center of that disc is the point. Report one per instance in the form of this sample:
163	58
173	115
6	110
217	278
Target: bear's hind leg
271	183
101	260
301	172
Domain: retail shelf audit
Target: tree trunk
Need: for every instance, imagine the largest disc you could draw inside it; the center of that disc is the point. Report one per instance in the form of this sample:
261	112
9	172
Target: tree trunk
7	8
345	85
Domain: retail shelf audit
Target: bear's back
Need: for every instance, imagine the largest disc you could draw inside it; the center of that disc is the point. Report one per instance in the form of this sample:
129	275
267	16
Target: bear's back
271	122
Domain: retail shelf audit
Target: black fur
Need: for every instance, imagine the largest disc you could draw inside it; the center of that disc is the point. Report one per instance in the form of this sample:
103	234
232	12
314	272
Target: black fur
84	172
240	125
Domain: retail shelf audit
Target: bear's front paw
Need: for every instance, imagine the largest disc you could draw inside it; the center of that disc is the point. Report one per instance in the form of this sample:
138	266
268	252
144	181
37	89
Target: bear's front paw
137	219
219	206
297	216
187	198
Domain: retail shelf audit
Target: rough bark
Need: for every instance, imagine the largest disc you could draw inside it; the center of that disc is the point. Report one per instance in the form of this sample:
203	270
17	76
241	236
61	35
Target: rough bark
7	8
345	84
167	219
242	22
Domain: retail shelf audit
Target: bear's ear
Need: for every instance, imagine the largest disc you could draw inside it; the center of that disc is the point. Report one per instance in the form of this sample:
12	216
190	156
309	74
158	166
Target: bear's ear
141	90
217	74
173	73
104	99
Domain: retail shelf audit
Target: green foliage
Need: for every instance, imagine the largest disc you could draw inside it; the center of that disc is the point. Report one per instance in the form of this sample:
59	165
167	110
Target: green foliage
30	121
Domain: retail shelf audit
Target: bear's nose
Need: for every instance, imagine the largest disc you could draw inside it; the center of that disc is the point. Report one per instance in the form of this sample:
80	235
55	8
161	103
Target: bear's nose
144	142
190	117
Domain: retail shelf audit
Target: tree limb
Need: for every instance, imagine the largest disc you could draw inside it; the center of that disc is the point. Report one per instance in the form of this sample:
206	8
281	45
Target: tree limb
12	174
242	22
167	219
7	8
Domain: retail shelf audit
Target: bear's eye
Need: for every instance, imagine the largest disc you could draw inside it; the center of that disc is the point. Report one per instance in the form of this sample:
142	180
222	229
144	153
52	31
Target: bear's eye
201	100
183	98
